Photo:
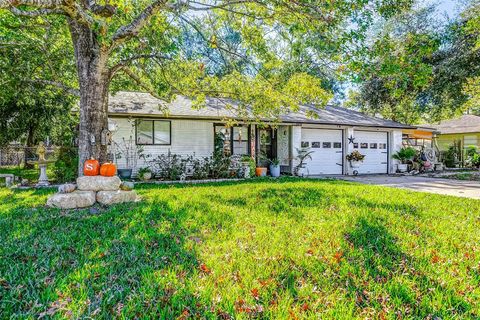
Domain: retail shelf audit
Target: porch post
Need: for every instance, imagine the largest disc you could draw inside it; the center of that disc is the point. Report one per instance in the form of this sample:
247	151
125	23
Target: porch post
253	143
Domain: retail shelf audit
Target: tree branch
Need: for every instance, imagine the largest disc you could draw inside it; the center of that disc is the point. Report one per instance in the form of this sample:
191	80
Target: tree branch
42	4
206	6
139	82
124	62
35	13
43	7
130	30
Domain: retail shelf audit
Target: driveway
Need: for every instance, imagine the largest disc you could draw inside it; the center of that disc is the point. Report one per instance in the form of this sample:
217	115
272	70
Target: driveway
459	188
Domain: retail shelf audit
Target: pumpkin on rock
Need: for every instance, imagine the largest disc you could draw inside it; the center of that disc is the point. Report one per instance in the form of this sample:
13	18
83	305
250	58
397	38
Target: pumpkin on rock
91	167
108	169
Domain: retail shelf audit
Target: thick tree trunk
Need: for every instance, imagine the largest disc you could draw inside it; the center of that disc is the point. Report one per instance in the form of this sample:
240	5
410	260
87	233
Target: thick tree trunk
93	78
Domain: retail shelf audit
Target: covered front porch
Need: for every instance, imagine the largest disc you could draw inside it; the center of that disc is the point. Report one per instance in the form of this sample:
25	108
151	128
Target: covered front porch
264	143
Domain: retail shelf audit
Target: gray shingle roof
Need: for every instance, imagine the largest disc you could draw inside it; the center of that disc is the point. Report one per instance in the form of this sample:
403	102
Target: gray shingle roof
468	123
144	104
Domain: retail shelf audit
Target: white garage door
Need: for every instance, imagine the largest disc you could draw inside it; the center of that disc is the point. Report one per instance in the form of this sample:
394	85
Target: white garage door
327	147
374	145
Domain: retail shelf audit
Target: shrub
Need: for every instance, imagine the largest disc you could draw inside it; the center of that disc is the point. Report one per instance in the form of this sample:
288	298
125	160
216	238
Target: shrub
404	154
472	156
220	167
66	165
172	166
200	168
169	166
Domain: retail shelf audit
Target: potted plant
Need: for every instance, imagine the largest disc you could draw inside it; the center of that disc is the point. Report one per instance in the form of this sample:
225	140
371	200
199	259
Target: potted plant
248	166
144	173
404	155
261	169
128	150
275	168
354	158
303	154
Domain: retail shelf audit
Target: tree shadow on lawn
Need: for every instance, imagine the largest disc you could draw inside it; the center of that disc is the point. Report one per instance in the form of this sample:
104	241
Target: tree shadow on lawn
130	260
373	262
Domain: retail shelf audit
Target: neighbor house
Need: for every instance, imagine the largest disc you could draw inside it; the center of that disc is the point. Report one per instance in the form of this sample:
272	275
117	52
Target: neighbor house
464	131
332	134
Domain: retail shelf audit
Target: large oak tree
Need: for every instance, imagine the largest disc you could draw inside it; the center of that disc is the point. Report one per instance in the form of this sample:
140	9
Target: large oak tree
249	50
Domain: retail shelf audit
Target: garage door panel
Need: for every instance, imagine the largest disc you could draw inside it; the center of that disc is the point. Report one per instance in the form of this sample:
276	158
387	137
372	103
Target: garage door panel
374	145
327	147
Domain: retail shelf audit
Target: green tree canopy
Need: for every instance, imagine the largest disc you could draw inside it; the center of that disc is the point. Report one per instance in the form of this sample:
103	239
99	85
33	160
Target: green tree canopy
415	70
32	108
248	50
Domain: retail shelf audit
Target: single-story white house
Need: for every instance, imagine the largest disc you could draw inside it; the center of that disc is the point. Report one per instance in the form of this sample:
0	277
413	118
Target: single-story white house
331	135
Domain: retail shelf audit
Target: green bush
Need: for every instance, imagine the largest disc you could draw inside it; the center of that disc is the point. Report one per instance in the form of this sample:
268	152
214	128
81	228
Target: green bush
404	154
473	156
66	165
169	166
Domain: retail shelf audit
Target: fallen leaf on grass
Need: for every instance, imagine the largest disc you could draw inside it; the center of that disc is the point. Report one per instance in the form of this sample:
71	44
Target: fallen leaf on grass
204	268
254	292
338	256
434	257
185	314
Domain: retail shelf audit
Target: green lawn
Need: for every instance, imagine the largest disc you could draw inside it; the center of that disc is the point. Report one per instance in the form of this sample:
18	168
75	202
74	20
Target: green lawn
29	174
286	249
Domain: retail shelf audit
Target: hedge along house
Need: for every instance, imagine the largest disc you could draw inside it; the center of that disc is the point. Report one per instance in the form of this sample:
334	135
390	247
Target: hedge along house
331	135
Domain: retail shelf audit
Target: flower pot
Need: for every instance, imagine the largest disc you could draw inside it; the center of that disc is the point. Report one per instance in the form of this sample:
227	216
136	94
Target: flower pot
124	173
275	170
246	170
402	167
355	164
261	172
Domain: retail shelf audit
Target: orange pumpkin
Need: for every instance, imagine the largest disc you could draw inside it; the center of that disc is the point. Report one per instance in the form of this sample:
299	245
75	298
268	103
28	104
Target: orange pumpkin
108	169
91	167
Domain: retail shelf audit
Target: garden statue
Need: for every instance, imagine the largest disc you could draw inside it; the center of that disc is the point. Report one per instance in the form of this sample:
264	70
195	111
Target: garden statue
41	150
42	165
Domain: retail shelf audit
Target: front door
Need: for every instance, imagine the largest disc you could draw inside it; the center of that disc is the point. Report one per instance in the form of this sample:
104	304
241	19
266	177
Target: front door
266	145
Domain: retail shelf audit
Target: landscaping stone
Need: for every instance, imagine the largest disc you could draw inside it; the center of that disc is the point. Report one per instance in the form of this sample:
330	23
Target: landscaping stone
119	196
98	183
127	186
76	199
67	188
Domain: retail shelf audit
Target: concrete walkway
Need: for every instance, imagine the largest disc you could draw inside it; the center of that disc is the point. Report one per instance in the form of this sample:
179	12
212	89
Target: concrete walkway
459	188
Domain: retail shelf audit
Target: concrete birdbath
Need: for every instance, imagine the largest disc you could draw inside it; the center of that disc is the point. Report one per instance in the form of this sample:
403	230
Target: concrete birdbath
42	165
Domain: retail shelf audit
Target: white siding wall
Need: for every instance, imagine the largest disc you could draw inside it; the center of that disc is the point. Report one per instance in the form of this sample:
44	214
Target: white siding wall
396	138
188	137
296	144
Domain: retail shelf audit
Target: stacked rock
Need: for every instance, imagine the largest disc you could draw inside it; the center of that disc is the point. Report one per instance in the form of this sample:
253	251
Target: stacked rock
89	190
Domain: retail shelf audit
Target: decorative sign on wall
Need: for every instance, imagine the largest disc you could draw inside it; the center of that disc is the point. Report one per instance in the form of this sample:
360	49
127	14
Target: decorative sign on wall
351	139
